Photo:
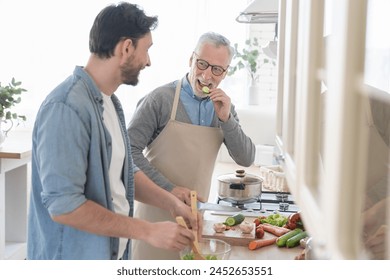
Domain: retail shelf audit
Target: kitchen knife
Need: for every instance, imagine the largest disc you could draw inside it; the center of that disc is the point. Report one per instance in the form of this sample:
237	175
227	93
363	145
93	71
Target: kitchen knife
216	207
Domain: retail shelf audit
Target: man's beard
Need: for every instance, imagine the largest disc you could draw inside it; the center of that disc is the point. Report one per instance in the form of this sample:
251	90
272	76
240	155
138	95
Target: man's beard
130	73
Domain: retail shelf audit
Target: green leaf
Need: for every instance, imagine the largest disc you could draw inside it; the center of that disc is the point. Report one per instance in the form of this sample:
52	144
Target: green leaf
9	98
249	58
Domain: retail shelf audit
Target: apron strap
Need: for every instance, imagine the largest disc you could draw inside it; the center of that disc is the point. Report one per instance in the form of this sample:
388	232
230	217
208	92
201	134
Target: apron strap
176	100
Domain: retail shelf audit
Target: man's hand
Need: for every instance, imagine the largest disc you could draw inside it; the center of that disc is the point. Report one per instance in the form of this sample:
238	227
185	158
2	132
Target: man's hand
222	103
169	235
184	195
375	243
181	209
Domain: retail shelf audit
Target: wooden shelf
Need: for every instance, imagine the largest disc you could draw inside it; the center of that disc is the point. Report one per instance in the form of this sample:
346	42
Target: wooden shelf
17	146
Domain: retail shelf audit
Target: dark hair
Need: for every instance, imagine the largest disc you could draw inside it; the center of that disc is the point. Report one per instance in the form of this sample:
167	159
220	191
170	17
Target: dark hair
118	22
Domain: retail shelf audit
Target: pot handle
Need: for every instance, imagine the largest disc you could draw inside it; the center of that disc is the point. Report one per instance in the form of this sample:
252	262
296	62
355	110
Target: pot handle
240	186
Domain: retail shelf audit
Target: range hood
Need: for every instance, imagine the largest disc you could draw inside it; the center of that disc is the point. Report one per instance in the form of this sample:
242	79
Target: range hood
260	11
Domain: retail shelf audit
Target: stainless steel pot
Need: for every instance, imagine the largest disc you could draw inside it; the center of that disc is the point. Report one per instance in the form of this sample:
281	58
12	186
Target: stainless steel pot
239	187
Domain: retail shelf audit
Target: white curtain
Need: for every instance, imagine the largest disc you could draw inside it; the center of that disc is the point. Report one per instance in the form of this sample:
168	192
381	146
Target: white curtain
42	41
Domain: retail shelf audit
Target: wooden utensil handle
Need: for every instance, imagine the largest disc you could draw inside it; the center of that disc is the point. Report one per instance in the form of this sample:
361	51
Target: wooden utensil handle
195	248
194	209
194	199
180	221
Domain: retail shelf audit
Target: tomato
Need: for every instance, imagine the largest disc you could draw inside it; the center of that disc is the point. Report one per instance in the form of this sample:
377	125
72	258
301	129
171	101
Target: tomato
257	222
259	232
293	220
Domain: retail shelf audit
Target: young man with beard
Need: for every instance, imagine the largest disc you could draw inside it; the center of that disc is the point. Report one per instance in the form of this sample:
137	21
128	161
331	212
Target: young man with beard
84	181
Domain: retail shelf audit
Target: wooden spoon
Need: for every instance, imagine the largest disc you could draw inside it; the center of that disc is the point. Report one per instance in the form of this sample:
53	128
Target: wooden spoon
194	209
197	254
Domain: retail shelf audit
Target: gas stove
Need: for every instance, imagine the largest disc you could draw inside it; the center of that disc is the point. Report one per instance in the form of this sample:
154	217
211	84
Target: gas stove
269	202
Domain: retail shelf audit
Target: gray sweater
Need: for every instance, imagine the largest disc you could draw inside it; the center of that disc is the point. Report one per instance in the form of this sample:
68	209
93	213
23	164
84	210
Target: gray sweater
153	113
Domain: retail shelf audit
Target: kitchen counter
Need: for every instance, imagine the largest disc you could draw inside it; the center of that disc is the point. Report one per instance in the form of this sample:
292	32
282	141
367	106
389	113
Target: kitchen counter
242	252
271	252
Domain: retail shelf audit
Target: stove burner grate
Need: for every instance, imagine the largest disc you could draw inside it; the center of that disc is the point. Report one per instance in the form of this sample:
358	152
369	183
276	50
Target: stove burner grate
240	204
269	200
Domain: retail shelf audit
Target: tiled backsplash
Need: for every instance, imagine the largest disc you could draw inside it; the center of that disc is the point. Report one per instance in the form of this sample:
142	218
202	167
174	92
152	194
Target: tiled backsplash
268	73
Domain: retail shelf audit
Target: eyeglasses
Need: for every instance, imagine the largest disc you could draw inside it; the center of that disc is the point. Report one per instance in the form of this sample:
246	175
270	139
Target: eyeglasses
215	69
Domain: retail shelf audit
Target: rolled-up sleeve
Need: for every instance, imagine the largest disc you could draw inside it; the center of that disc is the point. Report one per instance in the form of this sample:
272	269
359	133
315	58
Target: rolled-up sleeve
62	160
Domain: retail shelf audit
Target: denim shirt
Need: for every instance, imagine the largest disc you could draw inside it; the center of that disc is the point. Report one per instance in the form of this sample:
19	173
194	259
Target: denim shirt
70	161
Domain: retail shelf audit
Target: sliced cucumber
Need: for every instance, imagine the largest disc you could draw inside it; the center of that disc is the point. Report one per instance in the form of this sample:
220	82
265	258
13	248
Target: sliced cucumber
234	220
205	90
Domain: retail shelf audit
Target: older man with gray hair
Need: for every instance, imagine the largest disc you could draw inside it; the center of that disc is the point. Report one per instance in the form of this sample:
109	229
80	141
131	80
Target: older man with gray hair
178	128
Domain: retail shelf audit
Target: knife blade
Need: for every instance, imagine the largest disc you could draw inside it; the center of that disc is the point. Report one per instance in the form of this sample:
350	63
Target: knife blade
216	207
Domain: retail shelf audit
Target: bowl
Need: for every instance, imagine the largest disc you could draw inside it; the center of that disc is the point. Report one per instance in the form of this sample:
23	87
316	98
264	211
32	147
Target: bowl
211	249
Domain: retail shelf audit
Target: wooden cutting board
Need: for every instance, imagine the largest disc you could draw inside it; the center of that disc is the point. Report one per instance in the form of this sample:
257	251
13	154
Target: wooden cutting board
233	236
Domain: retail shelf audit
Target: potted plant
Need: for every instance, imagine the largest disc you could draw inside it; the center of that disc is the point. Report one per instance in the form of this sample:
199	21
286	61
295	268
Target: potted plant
250	59
9	97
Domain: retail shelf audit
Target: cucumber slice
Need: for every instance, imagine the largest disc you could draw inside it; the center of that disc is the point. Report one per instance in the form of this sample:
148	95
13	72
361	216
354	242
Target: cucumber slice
205	90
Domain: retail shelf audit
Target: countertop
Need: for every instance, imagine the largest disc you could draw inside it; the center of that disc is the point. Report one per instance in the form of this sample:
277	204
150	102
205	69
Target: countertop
242	252
271	252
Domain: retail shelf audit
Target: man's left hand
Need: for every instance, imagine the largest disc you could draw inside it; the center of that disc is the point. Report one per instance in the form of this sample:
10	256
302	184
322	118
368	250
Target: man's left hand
184	194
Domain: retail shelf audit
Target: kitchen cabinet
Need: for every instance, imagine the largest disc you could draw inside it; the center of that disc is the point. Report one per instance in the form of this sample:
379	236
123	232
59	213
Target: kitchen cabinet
15	155
300	63
327	124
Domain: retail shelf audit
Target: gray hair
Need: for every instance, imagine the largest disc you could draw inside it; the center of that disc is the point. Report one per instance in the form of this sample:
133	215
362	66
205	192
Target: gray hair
216	40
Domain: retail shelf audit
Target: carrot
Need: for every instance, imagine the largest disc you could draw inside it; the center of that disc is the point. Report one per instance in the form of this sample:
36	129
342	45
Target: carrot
275	230
256	244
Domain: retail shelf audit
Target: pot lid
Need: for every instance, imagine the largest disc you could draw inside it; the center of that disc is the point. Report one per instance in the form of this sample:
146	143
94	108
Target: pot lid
239	177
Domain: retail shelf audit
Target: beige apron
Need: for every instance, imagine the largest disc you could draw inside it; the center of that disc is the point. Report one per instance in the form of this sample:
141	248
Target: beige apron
186	155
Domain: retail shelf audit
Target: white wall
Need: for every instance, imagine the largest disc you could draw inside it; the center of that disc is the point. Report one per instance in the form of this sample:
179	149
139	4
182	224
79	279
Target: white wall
268	72
42	41
259	122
